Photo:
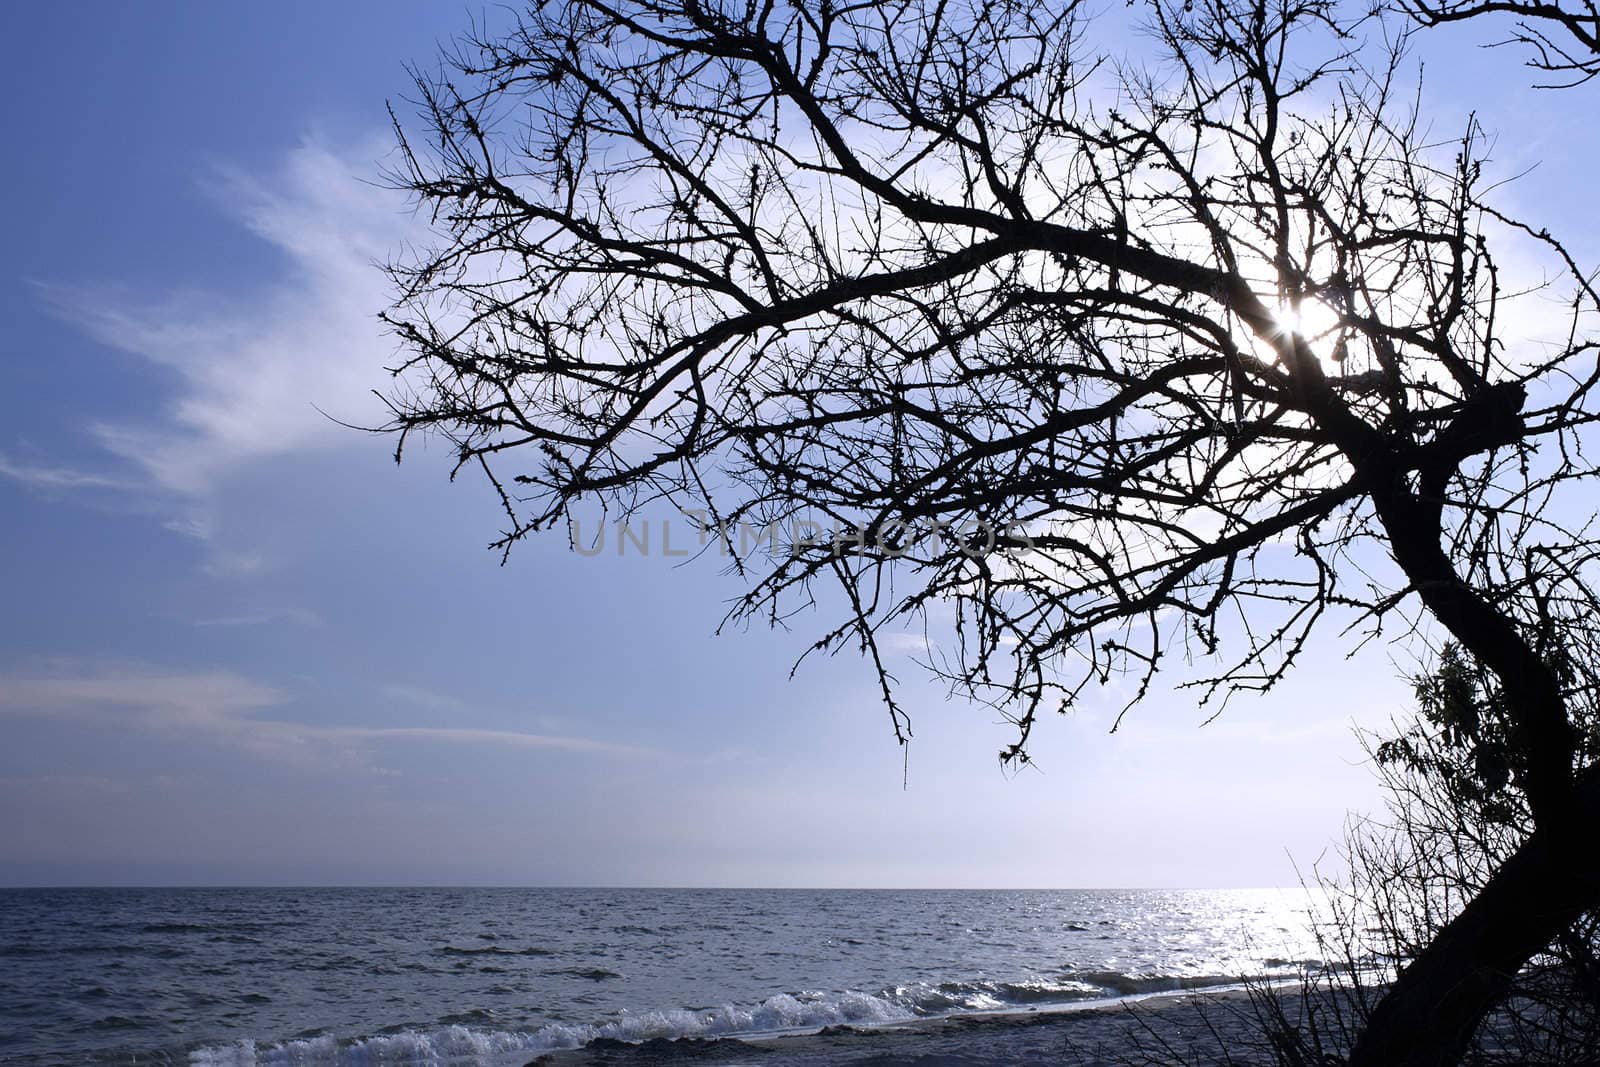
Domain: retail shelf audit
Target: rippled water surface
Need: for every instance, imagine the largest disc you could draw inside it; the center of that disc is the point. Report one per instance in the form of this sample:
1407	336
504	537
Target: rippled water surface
495	976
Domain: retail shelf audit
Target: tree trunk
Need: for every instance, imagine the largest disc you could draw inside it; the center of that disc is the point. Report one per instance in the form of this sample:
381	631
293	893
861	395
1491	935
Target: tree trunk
1426	1018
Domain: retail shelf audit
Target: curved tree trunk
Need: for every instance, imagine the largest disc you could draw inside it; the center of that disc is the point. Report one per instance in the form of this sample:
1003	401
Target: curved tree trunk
1428	1015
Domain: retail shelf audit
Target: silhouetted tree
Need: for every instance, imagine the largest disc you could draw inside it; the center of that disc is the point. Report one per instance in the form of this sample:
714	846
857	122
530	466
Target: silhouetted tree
1455	816
1111	360
1561	36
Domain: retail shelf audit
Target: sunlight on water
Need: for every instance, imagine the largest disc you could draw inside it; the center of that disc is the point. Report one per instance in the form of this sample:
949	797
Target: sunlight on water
491	976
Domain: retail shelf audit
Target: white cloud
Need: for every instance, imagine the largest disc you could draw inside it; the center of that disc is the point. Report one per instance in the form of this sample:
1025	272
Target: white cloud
255	371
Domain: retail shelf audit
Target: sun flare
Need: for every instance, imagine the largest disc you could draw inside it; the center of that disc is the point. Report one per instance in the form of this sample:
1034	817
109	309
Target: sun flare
1311	319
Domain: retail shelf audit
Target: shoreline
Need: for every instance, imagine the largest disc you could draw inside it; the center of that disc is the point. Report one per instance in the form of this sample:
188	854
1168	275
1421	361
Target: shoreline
1212	1025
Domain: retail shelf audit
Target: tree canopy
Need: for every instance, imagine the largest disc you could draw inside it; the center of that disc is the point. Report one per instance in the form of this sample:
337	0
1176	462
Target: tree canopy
1112	341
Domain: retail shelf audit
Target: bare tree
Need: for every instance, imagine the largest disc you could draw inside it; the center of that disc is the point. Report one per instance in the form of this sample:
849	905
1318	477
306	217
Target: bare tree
1104	361
1562	37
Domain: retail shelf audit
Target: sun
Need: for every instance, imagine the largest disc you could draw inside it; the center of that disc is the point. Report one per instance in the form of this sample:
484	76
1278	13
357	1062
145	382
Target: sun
1310	319
1316	324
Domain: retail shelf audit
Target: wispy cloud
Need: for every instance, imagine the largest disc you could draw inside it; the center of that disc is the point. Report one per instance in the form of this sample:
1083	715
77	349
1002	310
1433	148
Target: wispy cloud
222	707
257	373
907	643
516	738
51	476
225	564
425	698
293	616
166	697
455	708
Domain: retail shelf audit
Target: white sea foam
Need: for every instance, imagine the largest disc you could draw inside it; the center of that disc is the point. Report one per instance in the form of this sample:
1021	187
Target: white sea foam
468	1045
783	1013
448	1045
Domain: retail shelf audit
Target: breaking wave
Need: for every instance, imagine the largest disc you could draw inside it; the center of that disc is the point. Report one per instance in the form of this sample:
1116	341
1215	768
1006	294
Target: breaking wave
783	1013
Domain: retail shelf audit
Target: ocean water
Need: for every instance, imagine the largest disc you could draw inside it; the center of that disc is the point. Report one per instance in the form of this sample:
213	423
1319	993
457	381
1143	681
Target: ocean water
492	977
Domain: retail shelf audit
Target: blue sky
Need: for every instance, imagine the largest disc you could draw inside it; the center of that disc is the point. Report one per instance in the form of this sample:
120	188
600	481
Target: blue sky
239	645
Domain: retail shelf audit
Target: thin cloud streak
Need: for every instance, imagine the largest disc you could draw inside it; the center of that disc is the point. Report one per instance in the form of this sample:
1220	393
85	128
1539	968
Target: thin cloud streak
65	478
473	736
219	706
293	616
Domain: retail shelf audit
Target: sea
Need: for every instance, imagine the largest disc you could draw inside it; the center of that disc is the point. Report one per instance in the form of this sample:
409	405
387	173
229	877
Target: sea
496	977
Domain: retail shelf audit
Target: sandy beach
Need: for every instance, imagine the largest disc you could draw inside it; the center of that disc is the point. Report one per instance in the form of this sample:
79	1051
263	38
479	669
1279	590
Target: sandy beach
1215	1027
